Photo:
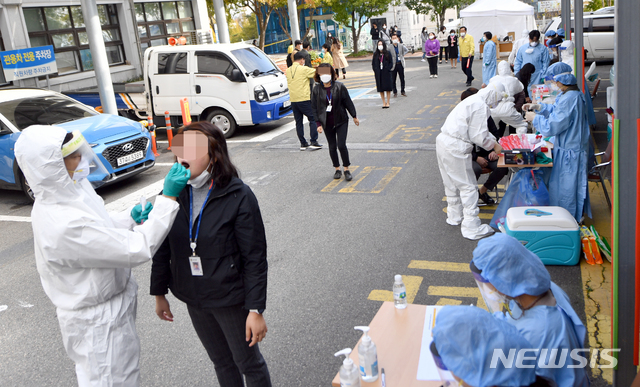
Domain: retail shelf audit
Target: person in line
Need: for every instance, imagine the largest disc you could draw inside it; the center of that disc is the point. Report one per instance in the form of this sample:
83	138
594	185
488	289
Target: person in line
398	51
524	76
432	47
375	32
464	341
220	229
513	278
554	45
339	60
516	46
290	48
382	64
298	77
84	254
465	127
467	51
326	54
486	159
489	58
385	34
452	42
330	101
534	53
424	36
507	111
298	48
444	44
568	121
305	53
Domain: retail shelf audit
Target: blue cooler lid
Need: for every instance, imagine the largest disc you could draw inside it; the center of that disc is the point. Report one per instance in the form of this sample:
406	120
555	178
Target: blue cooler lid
540	219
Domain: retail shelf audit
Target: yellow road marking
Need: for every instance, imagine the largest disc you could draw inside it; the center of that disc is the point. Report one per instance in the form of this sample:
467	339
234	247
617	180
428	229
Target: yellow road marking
351	187
435	109
448	301
335	182
454	291
411	282
481	215
440	266
451	93
424	109
393	133
404	160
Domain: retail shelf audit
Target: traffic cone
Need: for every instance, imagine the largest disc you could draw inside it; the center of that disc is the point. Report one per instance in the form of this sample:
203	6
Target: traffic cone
152	129
167	124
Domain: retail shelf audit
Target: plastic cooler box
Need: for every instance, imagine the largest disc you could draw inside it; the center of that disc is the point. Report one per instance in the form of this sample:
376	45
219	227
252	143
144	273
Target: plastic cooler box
550	232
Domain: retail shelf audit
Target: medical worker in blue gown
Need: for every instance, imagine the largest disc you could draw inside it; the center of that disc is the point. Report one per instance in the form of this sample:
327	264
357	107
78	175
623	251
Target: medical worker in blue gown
489	59
534	53
513	278
567	120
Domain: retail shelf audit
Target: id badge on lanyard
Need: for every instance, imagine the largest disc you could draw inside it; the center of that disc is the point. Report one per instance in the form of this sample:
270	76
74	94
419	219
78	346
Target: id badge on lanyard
381	60
194	260
329	103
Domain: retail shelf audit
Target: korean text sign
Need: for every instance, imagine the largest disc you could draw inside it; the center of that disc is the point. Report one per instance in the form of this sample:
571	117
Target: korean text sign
28	62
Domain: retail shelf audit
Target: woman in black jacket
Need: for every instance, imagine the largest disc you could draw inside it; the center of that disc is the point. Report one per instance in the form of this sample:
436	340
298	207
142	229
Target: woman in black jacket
382	64
215	259
330	102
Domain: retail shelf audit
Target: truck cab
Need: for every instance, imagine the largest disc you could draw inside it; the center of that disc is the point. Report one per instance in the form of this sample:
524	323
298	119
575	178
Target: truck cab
229	85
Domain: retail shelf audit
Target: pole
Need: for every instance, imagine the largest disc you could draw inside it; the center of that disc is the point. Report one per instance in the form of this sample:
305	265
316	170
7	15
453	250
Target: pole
221	21
293	20
132	6
579	43
627	89
566	18
99	57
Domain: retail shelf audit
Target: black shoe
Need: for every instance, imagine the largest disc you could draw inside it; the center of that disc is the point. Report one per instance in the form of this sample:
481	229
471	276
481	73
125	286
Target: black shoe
314	145
395	95
404	94
304	147
338	174
347	175
468	84
486	199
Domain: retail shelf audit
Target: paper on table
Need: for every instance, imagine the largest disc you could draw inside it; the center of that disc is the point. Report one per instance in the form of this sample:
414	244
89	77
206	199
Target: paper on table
427	369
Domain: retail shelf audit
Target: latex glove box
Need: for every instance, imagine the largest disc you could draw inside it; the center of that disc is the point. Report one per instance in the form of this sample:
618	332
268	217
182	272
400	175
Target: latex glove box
550	232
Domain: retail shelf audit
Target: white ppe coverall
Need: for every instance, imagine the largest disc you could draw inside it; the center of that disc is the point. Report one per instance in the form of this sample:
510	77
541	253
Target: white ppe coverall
517	44
506	110
84	257
465	127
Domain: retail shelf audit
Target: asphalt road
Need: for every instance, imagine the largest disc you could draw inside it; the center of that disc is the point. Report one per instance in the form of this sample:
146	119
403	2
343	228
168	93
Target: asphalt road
330	245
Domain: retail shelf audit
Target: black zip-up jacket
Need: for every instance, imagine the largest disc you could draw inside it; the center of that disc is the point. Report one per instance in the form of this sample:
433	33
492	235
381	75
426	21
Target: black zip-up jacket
232	247
341	101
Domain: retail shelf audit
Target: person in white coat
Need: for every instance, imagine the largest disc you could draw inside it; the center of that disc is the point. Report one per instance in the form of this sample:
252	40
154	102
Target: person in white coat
506	110
516	46
465	127
84	255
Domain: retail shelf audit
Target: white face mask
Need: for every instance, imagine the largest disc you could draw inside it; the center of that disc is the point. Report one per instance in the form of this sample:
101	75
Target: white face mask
463	34
380	48
533	44
202	179
395	41
432	37
82	170
325	78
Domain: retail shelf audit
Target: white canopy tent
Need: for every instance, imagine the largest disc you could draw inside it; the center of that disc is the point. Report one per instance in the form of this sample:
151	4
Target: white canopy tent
452	25
497	16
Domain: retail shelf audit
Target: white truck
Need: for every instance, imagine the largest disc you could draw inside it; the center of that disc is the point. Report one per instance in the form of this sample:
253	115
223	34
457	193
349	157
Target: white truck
229	85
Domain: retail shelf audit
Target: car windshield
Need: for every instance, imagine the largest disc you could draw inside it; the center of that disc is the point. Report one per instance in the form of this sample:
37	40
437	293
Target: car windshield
253	59
44	110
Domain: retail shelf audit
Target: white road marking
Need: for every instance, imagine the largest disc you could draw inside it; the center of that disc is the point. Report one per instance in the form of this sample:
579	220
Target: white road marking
164	164
134	198
24	304
270	135
162	141
8	218
3	308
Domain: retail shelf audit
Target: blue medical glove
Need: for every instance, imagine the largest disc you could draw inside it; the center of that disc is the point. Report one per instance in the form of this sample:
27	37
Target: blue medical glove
176	180
139	215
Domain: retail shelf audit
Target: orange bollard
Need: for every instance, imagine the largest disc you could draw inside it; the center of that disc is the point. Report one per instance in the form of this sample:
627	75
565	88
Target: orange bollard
167	124
152	129
186	113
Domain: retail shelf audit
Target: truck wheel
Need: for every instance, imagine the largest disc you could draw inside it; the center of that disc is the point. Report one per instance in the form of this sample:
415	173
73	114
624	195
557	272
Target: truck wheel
25	186
224	121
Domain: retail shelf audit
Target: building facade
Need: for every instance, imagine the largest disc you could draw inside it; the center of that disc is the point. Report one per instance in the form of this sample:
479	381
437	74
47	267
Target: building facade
410	23
128	28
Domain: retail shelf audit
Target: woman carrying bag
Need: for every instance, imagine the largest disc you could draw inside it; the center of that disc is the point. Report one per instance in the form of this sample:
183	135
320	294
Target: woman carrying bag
330	102
339	60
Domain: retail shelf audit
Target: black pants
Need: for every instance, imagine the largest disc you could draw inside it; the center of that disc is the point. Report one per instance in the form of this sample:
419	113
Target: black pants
337	139
494	178
399	70
301	109
433	65
222	333
344	71
446	53
466	70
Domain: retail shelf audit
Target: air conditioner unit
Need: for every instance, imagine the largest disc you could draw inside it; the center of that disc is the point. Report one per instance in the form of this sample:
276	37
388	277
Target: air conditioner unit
201	37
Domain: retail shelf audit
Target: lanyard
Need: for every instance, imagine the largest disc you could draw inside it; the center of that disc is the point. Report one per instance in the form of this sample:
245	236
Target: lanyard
329	101
191	239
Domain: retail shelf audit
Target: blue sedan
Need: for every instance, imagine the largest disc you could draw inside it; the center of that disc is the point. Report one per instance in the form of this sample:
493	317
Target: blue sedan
122	145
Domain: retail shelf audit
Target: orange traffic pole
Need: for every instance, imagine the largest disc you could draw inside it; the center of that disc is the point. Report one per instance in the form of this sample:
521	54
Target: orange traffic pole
186	113
152	129
167	124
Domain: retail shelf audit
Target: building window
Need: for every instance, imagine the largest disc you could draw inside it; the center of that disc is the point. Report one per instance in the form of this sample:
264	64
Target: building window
63	27
3	80
159	21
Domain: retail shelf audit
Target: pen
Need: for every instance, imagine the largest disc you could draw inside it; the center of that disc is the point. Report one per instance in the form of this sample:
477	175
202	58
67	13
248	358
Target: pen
384	384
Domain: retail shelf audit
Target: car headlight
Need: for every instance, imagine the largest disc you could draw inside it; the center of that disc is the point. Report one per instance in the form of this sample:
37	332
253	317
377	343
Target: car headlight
260	94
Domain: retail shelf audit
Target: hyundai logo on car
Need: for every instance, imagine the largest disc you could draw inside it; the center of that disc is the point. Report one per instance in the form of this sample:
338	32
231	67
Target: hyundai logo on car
128	147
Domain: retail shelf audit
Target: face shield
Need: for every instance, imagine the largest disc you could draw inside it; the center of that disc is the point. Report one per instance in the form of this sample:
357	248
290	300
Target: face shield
495	301
81	161
446	377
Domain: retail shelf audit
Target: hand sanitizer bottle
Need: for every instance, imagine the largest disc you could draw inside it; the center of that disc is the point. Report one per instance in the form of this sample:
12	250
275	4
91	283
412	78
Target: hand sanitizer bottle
349	375
368	357
399	293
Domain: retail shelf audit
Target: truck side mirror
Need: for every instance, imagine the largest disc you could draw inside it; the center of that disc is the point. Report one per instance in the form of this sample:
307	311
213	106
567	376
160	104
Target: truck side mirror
236	76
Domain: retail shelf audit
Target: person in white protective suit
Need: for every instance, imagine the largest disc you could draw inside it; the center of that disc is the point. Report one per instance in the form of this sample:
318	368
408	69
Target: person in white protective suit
84	255
506	110
465	127
516	46
566	53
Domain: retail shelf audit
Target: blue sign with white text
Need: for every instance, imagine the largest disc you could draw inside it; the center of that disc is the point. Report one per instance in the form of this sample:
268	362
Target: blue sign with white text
28	62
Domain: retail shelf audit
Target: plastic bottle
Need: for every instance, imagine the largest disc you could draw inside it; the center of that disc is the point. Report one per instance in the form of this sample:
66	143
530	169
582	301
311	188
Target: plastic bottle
399	293
349	375
367	356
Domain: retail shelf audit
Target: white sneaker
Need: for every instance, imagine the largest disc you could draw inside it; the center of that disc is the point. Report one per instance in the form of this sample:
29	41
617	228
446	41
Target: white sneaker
423	60
430	76
435	76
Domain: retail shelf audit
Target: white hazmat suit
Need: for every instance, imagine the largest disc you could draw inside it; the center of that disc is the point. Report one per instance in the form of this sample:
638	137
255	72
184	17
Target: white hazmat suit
465	127
84	256
566	53
506	110
516	46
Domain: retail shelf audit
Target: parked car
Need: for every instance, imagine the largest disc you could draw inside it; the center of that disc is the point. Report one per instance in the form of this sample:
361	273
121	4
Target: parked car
122	145
598	31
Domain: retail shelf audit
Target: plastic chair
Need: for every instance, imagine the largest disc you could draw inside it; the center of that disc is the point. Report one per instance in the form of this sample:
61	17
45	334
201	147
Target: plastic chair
597	174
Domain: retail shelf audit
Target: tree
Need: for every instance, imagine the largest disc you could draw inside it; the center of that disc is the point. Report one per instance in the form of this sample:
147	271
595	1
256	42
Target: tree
283	12
262	10
435	8
595	5
355	14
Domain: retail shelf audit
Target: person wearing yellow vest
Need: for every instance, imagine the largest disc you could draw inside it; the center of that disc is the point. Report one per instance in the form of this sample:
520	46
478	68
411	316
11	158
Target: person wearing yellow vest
298	76
467	50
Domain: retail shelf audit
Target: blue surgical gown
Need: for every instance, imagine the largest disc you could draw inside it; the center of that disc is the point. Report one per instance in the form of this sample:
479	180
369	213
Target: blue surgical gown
539	58
554	327
489	62
567	120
